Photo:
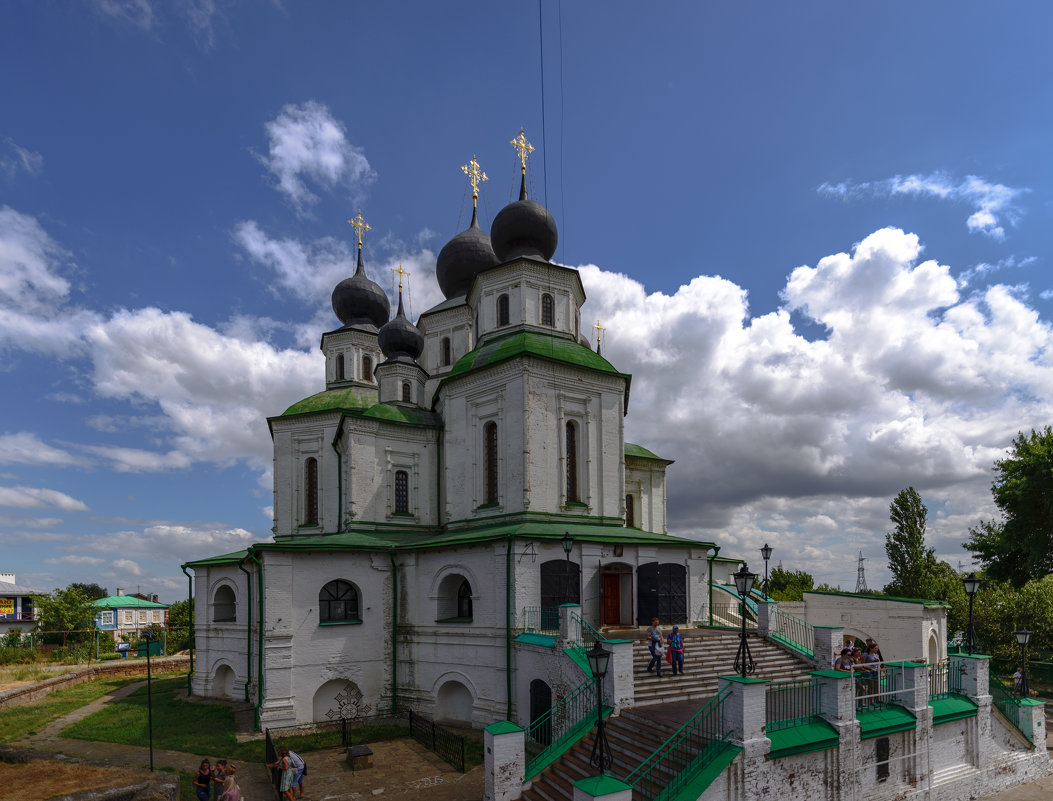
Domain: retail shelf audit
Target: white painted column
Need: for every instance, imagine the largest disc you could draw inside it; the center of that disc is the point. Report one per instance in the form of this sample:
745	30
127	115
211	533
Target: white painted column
602	787
504	761
619	687
765	610
744	713
569	627
975	684
826	645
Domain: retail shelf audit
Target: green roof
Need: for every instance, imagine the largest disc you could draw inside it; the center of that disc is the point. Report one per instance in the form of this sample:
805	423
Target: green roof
223	559
640	452
126	601
351	398
416	538
411	415
934	604
531	343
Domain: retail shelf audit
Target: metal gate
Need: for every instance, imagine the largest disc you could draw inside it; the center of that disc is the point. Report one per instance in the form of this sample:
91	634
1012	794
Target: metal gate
661	592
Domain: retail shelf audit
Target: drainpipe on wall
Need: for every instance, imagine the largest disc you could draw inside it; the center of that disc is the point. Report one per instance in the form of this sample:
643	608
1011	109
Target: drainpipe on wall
190	599
339	477
248	630
709	582
259	669
508	627
394	633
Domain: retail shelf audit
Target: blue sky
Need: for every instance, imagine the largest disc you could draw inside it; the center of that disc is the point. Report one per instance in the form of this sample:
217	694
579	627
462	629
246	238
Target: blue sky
818	237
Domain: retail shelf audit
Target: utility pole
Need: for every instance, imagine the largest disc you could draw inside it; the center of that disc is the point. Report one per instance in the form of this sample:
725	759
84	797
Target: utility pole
861	579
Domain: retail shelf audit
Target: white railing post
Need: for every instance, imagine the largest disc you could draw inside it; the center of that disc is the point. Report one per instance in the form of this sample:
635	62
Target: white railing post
569	625
504	759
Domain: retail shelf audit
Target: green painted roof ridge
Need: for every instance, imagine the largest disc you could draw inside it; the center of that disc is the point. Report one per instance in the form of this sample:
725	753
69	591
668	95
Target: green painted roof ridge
544	346
126	600
898	599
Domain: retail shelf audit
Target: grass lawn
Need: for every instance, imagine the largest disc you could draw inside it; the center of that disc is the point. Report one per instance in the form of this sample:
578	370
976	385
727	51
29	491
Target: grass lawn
26	720
205	729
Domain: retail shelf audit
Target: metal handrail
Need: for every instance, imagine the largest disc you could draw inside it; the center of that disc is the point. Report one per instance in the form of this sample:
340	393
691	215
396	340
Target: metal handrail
564	723
674	763
945	679
794	631
539	620
728	614
1007	702
589	635
790	703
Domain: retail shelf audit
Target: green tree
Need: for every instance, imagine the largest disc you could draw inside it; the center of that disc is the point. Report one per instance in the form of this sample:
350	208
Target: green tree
93	591
64	611
789	585
913	566
1019	547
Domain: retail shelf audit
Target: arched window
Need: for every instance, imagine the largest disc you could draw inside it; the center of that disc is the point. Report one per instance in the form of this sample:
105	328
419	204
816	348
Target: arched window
224	605
464	600
572	462
502	310
490	442
630	511
447	353
338	603
546	310
367	369
405	392
310	490
339	367
401	491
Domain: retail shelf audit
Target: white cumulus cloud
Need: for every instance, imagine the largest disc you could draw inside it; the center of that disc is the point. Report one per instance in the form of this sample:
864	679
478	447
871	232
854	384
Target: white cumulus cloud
40	498
306	144
991	202
26	448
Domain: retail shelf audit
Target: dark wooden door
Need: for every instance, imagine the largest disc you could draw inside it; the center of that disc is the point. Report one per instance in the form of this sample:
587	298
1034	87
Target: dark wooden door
612	607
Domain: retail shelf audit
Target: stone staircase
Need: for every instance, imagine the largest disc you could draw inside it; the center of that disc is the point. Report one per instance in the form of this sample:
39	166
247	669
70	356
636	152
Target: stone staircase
662	706
632	738
709	653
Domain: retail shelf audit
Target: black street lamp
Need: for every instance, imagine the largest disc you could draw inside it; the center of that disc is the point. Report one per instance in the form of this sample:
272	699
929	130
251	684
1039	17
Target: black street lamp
568	543
148	635
599	657
744	663
765	553
1022	637
972	586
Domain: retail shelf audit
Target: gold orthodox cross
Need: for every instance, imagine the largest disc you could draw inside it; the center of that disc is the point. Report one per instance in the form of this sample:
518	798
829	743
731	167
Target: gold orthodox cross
523	147
360	226
400	273
599	332
475	177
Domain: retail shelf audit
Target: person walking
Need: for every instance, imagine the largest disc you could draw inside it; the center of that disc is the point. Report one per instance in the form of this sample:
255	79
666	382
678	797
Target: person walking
654	645
676	651
286	781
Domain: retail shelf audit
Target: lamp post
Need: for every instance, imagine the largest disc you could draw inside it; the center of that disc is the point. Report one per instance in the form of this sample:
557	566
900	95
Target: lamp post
972	586
765	553
148	635
599	657
568	543
1022	637
744	664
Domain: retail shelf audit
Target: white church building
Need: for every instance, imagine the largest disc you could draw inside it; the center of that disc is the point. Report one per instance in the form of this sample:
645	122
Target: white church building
453	478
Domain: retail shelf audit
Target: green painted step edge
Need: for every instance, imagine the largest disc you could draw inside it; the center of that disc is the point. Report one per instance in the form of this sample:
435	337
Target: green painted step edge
698	784
564	744
821	736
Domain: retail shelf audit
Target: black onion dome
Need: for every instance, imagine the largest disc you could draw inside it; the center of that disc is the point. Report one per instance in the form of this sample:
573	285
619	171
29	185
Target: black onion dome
400	337
360	300
524	228
463	258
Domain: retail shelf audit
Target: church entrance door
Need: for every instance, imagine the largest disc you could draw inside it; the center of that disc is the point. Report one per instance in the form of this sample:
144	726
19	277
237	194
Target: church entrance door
661	593
611	592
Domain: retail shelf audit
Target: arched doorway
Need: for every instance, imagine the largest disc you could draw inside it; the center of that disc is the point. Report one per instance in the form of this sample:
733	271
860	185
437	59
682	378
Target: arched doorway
223	682
560	583
454	702
540	705
339	698
661	591
934	650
